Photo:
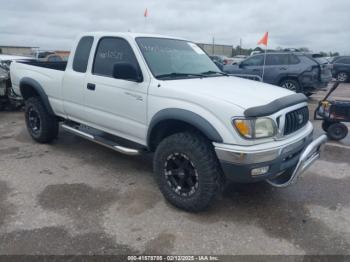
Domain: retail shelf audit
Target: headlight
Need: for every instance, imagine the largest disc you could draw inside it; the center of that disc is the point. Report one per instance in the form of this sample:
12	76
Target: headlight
255	128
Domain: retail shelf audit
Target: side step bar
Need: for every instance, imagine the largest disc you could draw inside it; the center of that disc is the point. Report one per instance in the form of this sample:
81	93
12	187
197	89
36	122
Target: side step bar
102	141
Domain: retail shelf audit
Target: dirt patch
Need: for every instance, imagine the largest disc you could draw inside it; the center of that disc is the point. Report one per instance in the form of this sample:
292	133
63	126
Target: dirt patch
334	153
9	150
58	241
76	197
162	244
6	209
81	202
24	137
138	200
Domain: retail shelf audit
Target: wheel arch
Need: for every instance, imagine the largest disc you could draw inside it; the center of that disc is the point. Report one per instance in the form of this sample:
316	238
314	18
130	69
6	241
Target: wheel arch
172	120
31	88
291	77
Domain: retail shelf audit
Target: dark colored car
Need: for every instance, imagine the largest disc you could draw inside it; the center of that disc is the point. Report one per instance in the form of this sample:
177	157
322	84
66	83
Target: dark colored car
298	72
341	68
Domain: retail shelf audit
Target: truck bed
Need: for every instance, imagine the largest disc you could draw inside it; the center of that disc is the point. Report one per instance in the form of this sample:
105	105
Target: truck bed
48	75
61	66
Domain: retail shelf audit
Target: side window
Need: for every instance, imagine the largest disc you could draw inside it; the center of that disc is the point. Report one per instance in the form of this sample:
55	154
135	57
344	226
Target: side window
293	60
256	60
272	60
343	61
81	57
110	51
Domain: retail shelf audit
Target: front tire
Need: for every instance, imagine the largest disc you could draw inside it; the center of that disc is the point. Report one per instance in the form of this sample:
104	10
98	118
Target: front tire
187	171
41	125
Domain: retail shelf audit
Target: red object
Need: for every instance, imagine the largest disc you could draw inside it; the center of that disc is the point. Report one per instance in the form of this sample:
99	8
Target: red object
146	13
264	40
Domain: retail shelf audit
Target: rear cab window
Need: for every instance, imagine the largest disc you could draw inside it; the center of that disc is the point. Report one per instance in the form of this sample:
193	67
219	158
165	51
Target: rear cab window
82	53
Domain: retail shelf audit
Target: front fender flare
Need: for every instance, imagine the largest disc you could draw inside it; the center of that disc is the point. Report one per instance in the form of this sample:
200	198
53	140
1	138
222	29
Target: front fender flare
188	117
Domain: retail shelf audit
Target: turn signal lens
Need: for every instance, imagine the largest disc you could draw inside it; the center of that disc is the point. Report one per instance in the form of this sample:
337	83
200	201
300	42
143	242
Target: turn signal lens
243	127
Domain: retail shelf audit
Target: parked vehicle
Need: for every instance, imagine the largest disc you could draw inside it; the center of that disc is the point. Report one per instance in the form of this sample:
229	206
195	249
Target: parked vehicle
341	68
53	58
137	93
8	99
238	58
294	71
333	113
221	60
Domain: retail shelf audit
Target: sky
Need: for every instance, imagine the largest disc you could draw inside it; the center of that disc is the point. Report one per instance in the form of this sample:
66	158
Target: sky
320	25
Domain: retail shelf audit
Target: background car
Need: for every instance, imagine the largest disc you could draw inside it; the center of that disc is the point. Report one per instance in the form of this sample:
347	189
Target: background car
221	60
238	58
341	68
298	72
8	99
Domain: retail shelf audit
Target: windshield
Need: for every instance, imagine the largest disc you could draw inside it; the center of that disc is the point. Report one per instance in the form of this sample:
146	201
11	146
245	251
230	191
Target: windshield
171	58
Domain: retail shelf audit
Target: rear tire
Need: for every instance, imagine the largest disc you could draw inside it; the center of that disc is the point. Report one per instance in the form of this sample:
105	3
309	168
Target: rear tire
291	85
187	171
337	131
41	125
342	77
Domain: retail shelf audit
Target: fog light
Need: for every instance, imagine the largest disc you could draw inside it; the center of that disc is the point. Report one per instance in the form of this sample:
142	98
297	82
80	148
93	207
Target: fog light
259	171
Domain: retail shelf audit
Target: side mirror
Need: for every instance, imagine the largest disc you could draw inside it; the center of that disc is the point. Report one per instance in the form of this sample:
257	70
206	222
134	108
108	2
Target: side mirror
241	65
126	71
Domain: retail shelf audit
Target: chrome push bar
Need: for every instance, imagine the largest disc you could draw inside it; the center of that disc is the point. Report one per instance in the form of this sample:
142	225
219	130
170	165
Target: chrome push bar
310	154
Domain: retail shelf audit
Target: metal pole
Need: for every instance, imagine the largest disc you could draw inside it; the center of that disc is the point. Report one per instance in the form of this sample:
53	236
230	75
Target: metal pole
263	72
213	46
240	46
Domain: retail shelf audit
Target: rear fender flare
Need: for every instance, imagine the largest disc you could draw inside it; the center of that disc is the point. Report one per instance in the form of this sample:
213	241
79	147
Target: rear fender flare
25	82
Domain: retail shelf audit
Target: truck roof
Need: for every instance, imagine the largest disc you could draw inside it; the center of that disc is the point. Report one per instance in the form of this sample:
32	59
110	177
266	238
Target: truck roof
128	35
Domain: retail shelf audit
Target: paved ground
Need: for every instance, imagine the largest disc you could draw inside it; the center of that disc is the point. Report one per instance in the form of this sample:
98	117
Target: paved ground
75	197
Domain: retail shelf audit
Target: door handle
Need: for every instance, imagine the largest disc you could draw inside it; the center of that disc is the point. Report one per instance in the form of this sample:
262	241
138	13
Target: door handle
283	68
91	86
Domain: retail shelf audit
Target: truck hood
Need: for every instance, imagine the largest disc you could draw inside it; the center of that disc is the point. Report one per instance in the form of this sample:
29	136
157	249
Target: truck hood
238	91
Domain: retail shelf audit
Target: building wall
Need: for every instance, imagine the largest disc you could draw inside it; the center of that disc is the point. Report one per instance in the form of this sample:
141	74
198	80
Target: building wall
14	50
215	49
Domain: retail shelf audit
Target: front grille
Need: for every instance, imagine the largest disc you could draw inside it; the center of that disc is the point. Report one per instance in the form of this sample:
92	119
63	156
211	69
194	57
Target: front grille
295	120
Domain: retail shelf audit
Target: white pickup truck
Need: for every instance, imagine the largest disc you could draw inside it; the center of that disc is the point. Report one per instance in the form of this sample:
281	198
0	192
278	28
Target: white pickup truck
138	93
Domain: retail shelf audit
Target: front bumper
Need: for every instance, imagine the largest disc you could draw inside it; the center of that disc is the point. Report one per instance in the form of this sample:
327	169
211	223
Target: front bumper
240	166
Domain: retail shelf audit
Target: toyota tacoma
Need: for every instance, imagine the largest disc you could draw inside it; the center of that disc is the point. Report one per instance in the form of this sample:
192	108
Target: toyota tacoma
139	93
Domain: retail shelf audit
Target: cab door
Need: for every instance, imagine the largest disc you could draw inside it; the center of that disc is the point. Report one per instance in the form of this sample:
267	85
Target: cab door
117	106
73	85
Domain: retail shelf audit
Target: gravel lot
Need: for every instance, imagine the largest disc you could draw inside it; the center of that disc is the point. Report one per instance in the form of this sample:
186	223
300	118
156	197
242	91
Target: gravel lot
76	197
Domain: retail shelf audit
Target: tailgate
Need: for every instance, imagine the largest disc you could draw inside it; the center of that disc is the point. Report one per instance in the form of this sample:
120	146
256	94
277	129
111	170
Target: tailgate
326	72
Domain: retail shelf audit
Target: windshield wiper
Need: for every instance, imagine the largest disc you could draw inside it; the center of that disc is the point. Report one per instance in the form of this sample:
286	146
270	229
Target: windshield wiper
210	72
174	74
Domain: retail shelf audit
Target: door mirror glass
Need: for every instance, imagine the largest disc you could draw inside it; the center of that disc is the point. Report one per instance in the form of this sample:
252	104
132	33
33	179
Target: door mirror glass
126	71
